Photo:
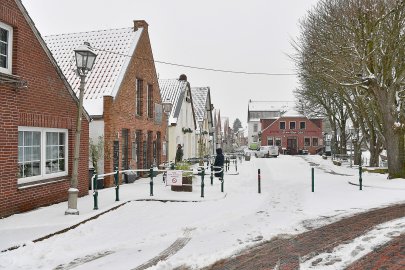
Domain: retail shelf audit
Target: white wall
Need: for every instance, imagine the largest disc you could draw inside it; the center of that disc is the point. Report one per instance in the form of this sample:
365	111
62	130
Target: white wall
96	129
251	133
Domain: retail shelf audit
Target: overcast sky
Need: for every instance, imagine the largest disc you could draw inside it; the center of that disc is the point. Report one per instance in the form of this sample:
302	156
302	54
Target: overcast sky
248	36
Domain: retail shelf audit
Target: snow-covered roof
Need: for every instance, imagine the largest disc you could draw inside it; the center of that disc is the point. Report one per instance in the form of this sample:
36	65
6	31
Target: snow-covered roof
174	91
200	96
292	113
270	105
112	46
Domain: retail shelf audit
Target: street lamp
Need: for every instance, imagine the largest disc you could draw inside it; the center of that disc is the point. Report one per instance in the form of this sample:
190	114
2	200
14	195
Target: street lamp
85	58
167	108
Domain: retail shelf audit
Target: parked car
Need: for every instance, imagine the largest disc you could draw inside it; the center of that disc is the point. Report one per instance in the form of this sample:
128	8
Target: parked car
267	151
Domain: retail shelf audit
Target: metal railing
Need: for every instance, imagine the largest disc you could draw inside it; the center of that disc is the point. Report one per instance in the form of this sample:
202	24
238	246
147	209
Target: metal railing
152	173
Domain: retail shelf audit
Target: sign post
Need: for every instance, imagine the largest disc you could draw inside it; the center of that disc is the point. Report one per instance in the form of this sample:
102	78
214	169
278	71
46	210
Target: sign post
174	178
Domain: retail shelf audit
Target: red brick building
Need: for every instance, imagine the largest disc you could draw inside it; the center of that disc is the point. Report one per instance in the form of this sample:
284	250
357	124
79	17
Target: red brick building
293	133
38	112
122	95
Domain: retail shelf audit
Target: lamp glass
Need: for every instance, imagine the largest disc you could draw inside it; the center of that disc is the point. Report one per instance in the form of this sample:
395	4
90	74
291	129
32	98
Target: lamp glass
85	57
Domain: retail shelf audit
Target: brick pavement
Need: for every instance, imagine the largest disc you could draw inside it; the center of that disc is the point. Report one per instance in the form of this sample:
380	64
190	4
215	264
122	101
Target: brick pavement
285	253
389	256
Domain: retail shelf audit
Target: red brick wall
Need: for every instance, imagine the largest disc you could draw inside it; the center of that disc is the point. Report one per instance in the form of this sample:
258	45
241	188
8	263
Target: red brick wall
119	112
46	102
313	129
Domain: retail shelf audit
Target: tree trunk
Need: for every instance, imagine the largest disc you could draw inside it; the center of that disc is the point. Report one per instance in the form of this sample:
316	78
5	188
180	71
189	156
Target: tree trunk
395	154
357	153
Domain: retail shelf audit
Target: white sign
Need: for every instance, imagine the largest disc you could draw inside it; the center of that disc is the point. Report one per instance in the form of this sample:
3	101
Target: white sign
174	178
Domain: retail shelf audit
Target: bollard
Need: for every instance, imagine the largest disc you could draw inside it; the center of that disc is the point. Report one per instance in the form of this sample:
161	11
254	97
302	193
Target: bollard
212	174
313	180
117	185
95	192
222	180
236	164
151	180
360	179
202	182
259	181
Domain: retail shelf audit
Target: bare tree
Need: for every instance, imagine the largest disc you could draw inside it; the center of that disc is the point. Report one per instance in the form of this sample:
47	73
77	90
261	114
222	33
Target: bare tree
359	45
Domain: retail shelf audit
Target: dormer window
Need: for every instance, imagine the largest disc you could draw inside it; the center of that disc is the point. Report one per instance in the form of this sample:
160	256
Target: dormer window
6	46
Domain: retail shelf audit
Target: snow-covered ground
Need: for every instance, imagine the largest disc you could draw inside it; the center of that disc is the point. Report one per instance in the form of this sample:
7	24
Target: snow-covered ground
199	231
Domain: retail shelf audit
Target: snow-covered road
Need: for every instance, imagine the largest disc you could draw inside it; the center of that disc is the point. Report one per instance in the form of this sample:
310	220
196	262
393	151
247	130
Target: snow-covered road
198	232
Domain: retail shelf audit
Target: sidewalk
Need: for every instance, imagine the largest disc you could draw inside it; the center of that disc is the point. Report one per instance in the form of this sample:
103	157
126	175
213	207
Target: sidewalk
40	223
289	252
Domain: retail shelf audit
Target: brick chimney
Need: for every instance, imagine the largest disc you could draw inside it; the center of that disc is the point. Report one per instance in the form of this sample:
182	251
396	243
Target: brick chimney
140	24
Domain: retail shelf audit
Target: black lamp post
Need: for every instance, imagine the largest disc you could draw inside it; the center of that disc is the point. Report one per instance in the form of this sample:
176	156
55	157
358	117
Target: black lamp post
85	58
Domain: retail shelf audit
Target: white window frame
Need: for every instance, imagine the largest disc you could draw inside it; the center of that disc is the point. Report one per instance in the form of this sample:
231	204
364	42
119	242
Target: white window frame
289	125
278	139
43	174
8	28
310	141
255	127
272	139
317	141
285	126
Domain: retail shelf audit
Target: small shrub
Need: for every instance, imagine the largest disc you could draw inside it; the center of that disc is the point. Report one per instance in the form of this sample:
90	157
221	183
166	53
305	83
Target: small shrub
337	163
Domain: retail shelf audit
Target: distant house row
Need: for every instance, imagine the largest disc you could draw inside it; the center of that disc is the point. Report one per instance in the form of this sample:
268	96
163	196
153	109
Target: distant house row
277	123
123	115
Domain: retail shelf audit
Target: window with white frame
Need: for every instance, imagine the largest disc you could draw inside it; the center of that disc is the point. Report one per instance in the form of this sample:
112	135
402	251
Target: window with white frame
42	153
270	141
282	125
6	48
292	125
307	141
314	141
278	141
255	127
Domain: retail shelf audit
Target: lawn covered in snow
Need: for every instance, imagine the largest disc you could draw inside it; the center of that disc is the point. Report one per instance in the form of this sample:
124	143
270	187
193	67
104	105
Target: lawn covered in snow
209	228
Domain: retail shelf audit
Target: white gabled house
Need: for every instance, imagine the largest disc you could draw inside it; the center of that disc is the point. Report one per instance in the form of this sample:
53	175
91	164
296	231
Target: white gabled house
182	122
205	127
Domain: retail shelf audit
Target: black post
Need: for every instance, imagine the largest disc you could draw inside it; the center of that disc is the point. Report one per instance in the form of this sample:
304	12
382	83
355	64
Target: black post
259	181
117	185
313	180
212	174
202	182
151	180
360	178
222	179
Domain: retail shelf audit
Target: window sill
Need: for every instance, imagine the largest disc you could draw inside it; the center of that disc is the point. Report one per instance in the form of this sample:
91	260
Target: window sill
42	182
15	80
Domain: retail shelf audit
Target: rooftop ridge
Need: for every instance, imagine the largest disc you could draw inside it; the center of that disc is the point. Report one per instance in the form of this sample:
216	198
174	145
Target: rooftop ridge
92	31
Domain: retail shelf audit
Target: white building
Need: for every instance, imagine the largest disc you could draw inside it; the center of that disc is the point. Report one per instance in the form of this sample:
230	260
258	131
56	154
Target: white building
182	123
203	112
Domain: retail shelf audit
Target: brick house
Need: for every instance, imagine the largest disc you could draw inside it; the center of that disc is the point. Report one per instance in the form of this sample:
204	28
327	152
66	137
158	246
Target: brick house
263	110
38	112
203	113
122	96
182	122
293	133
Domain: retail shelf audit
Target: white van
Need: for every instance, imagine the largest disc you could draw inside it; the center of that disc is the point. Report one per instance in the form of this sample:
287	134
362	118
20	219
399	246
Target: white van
267	151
